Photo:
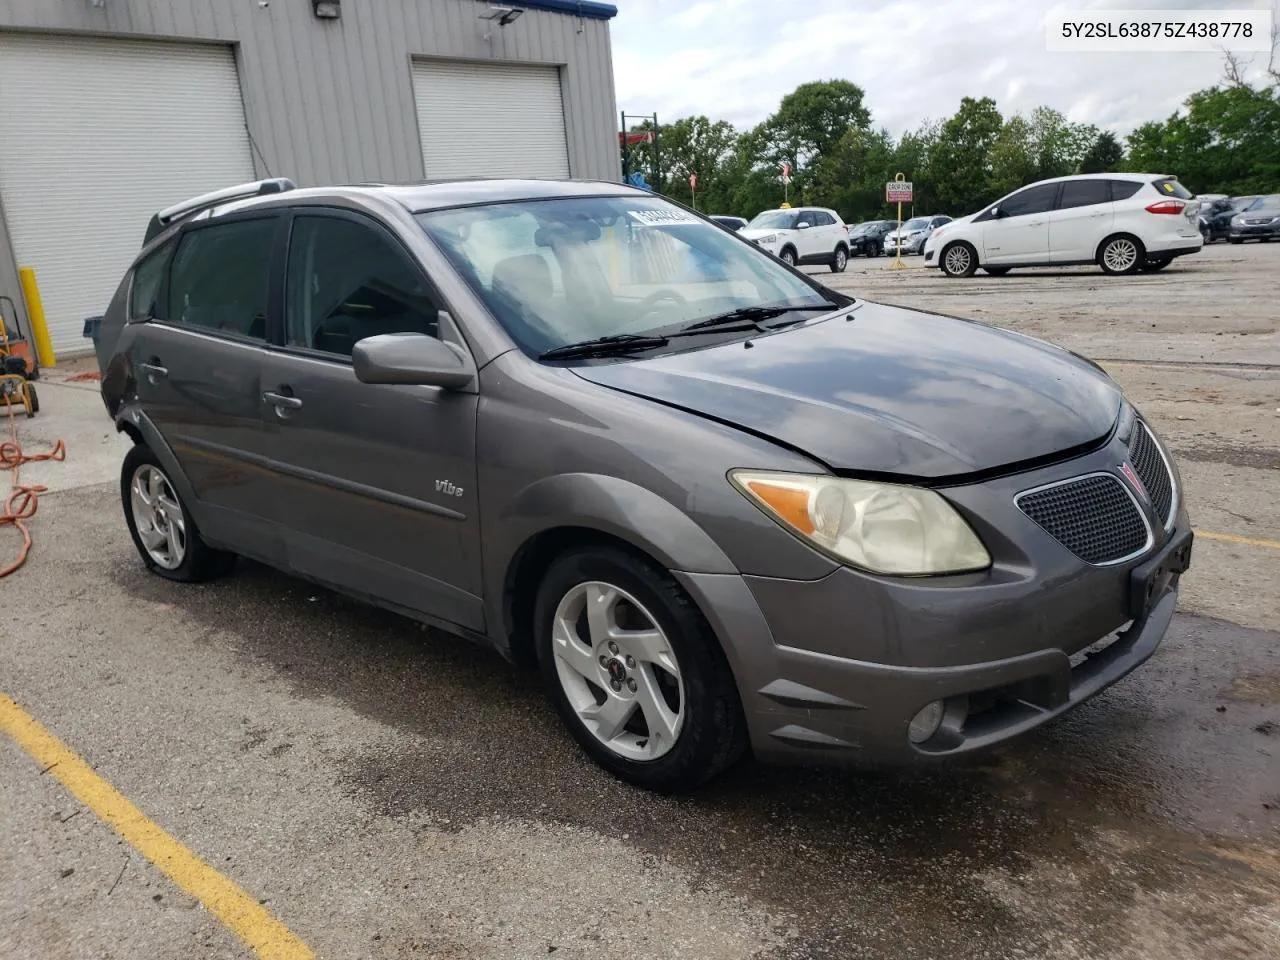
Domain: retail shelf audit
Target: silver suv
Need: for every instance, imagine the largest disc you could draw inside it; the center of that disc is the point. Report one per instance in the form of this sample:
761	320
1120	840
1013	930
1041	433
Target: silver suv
721	507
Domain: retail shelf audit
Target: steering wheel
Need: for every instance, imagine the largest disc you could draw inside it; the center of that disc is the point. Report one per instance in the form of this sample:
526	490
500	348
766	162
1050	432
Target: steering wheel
649	303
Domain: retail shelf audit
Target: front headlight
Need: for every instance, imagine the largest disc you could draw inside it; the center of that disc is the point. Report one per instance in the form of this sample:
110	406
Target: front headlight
765	241
879	527
1237	221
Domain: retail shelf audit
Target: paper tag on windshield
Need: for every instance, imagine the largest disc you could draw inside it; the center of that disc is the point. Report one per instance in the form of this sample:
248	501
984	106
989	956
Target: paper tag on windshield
660	218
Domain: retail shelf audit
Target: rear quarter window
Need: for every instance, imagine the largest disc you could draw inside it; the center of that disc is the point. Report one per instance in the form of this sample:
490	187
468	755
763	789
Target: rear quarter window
145	288
1169	187
1124	189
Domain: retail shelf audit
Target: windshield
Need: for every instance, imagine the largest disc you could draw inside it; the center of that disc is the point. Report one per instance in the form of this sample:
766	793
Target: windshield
556	272
774	220
918	224
1269	204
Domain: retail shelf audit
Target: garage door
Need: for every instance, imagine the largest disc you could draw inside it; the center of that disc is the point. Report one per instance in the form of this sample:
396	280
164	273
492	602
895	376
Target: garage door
96	136
490	120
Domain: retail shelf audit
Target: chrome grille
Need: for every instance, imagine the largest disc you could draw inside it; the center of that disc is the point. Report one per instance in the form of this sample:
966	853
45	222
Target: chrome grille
1095	517
1154	473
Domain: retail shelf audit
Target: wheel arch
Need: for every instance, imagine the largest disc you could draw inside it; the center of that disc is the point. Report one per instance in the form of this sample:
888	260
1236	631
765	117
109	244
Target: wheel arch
559	513
137	426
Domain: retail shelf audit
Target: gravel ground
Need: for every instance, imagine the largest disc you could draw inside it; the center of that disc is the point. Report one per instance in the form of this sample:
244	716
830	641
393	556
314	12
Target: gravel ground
391	793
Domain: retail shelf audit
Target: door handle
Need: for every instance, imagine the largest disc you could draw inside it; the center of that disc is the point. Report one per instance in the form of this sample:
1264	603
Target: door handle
1035	223
155	373
282	403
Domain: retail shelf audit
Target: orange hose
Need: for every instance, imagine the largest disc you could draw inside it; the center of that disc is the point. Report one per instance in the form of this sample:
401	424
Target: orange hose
23	501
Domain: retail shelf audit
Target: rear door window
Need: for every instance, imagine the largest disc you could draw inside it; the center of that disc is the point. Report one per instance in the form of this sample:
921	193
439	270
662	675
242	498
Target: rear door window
219	277
1084	193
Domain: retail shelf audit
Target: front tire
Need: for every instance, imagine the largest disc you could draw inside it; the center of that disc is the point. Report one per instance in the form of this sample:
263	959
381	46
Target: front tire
160	524
635	672
839	260
1121	254
788	256
959	260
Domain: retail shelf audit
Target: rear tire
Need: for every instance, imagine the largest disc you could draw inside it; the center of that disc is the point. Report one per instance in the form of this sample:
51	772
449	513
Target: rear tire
636	598
160	525
33	400
839	260
959	260
1121	254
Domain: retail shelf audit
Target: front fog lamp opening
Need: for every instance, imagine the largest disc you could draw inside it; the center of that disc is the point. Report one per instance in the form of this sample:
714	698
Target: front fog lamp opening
927	722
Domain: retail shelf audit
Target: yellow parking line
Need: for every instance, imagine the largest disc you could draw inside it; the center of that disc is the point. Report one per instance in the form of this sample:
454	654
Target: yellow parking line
241	913
1232	538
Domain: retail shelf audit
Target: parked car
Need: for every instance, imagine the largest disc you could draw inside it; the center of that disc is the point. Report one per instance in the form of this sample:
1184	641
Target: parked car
722	513
733	223
1215	218
802	235
1124	222
913	234
867	239
1260	221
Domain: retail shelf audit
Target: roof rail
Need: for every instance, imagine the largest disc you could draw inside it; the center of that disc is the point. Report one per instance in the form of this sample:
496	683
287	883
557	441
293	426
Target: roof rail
186	208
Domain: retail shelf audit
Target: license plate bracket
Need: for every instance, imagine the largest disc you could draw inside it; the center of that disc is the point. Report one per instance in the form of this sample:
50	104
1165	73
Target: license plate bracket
1148	581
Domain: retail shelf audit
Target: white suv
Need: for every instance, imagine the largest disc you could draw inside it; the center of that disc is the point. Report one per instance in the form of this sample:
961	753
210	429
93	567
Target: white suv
1124	222
802	235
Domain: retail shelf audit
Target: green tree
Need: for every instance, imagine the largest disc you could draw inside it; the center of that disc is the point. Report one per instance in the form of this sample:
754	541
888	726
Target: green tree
961	156
1225	140
808	124
1105	155
851	176
1014	160
698	145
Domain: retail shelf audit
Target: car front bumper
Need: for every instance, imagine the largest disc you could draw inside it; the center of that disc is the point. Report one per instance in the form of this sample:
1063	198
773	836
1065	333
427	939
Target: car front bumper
833	671
1261	232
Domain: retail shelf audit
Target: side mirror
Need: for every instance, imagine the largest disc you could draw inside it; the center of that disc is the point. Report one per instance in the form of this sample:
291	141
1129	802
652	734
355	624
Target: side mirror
412	358
802	226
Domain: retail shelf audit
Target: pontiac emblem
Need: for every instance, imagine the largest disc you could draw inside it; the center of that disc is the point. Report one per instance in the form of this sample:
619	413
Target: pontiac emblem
1132	476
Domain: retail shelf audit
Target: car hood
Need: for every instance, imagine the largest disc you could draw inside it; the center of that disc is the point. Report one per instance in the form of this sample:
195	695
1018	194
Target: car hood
755	233
888	391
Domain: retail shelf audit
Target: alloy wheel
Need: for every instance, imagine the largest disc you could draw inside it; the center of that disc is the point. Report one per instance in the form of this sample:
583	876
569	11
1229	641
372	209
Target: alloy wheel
958	260
158	517
1120	255
618	671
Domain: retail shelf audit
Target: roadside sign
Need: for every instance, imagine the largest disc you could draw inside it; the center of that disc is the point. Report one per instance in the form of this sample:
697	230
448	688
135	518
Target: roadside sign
897	191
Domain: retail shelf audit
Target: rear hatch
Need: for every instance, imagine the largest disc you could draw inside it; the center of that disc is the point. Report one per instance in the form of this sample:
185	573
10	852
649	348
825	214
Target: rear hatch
1171	189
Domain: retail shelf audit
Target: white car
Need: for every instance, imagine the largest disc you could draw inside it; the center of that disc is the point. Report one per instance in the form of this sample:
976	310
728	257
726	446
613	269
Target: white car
1123	222
913	234
802	235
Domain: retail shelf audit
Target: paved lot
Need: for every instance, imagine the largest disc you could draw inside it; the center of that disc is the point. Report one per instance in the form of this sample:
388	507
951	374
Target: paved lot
390	793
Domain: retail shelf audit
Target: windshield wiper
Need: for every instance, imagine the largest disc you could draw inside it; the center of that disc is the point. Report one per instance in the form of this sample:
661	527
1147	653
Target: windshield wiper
754	315
604	346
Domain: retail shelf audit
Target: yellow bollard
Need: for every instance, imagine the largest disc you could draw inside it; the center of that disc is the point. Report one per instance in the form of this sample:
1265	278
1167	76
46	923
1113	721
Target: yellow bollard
35	318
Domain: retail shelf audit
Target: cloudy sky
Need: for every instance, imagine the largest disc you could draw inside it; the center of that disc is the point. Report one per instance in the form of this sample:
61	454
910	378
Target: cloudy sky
735	59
